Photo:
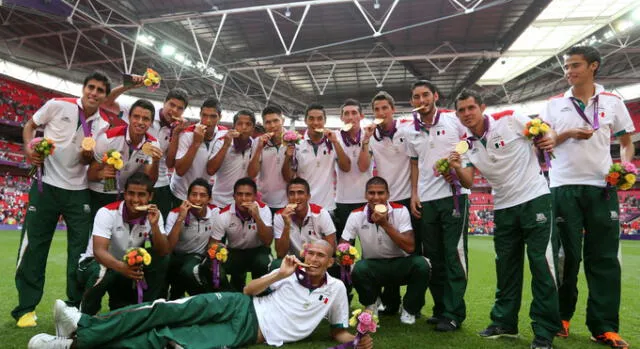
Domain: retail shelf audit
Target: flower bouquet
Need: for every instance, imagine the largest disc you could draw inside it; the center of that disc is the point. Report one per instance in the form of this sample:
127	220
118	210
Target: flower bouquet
622	176
44	147
113	158
346	256
138	256
152	79
535	130
364	322
443	168
218	254
291	137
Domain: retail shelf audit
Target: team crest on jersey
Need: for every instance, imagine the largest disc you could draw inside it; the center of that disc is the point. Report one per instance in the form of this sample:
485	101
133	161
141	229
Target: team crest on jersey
614	215
541	218
364	226
324	299
565	109
140	161
65	119
499	144
440	132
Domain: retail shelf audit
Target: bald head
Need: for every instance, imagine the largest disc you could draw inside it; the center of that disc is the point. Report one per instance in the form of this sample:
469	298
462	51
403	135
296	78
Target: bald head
324	245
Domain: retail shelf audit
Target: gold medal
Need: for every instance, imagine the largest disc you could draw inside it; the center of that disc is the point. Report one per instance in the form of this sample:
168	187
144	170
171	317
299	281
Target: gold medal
88	143
380	208
462	147
147	149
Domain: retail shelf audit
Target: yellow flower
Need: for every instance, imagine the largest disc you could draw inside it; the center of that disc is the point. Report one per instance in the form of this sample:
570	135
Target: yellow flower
116	155
146	259
534	130
147	82
353	322
352	251
626	186
119	164
630	178
111	161
219	256
536	122
544	128
356	312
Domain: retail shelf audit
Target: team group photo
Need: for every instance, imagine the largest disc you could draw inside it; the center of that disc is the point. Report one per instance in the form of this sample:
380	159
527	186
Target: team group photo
181	181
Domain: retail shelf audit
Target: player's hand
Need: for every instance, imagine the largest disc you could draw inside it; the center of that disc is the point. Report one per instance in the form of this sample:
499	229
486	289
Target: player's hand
368	131
581	133
331	136
86	156
288	266
180	126
229	136
156	153
108	171
153	215
366	342
253	208
34	157
380	218
198	134
290	149
455	160
545	143
133	272
263	140
184	210
416	206
287	213
137	80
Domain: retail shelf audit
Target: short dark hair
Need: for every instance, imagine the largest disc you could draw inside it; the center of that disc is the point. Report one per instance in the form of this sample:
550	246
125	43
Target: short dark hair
179	94
245	112
272	109
315	106
375	180
200	182
351	102
212	103
590	54
383	96
465	94
427	84
245	181
99	76
142	179
144	104
299	180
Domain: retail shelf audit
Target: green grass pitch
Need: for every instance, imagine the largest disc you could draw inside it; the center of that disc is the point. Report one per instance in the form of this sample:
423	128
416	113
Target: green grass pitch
392	334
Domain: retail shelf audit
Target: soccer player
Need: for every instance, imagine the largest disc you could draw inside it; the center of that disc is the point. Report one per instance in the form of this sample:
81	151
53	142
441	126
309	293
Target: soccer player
297	303
351	184
246	225
586	209
194	150
118	227
386	237
523	215
230	157
444	223
267	160
189	227
313	159
166	128
64	192
129	140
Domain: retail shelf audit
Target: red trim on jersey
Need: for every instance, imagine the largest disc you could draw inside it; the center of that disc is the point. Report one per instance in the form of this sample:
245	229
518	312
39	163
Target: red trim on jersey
404	121
150	138
117	131
222	128
359	209
212	206
499	115
561	95
280	211
447	111
114	206
315	208
176	210
610	94
190	128
261	204
395	205
228	208
67	99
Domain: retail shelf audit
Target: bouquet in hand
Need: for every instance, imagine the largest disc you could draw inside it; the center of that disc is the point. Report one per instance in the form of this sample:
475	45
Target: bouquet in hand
152	79
112	158
535	130
218	254
442	167
44	147
346	256
291	137
138	256
364	322
622	176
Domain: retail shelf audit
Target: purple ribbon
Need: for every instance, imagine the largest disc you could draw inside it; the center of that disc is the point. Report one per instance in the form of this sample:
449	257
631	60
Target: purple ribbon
596	124
39	176
346	138
125	217
547	158
215	268
471	139
141	286
345	274
419	125
86	127
237	146
351	344
456	188
118	184
193	211
326	141
385	133
303	278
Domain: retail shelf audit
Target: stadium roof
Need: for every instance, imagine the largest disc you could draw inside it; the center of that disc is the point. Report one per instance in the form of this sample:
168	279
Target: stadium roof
253	52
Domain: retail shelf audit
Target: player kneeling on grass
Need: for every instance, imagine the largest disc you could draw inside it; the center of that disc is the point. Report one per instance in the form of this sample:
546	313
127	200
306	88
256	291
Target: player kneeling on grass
298	301
386	238
118	227
190	227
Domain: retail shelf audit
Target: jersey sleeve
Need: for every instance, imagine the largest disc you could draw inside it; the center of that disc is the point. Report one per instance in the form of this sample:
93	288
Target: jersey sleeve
326	224
217	230
622	123
278	226
217	145
350	228
172	217
338	314
102	145
265	215
404	220
103	224
183	145
520	122
46	113
545	114
163	231
410	147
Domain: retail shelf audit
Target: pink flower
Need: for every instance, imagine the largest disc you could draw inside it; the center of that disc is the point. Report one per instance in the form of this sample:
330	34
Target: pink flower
343	247
291	136
629	167
366	323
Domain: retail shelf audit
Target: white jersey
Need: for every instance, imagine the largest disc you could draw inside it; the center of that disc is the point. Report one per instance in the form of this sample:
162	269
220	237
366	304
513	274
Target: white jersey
315	226
194	236
134	159
198	169
350	186
234	166
375	241
109	224
429	146
270	181
392	161
507	159
585	161
317	169
291	312
60	120
240	234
